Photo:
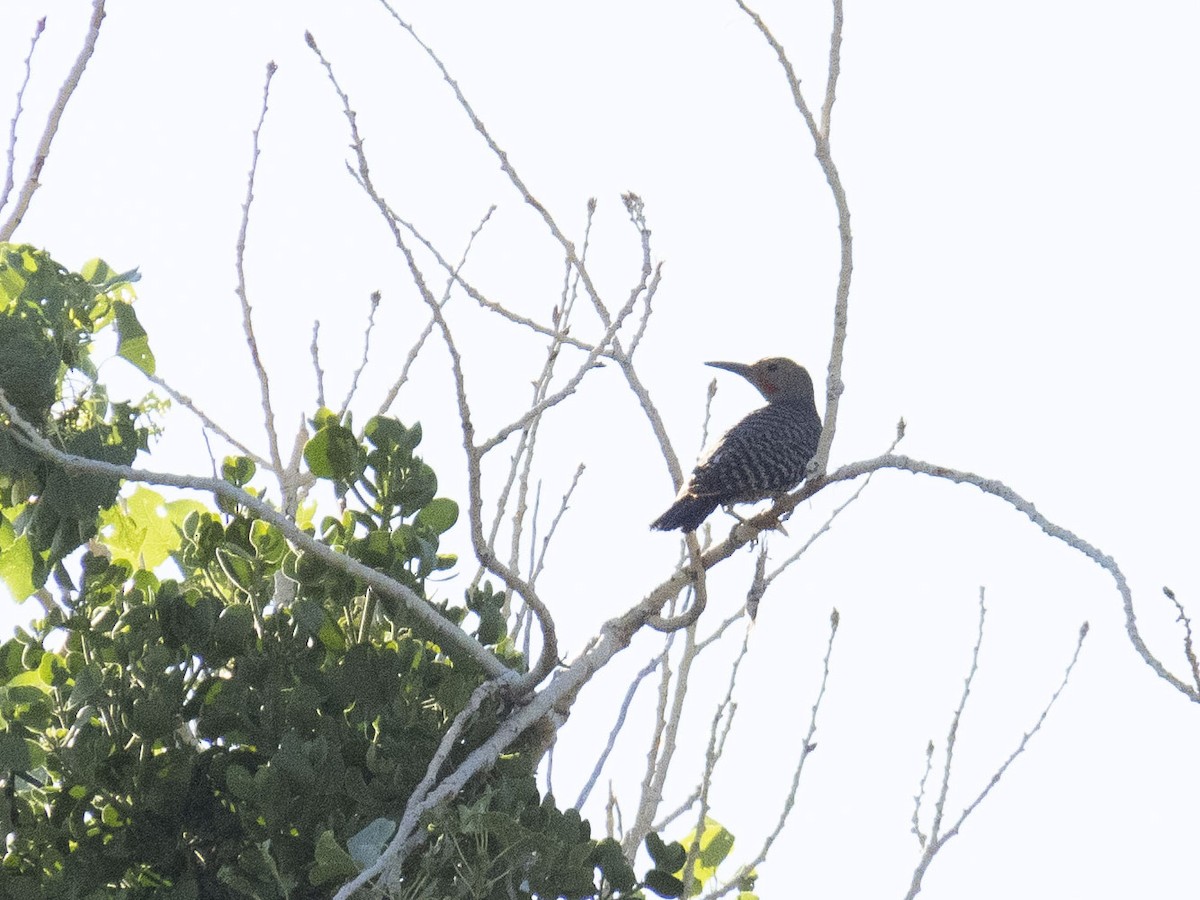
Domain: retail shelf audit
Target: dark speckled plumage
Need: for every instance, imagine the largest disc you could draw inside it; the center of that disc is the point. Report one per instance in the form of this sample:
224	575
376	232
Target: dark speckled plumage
764	455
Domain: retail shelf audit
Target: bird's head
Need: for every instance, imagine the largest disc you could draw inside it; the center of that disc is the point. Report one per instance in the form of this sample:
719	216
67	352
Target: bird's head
776	377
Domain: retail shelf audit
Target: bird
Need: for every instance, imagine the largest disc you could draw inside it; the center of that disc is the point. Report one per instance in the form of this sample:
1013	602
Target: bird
763	455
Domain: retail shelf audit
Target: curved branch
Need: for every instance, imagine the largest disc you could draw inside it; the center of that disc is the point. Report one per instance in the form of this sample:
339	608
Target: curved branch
420	608
745	532
1011	497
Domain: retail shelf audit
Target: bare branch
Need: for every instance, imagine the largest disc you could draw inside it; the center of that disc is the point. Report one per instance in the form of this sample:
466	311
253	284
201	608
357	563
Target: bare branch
247	323
825	526
637	215
919	799
11	165
820	136
722	723
314	350
548	658
475	294
745	532
939	807
618	354
190	405
678	811
454	278
835	69
1188	648
562	511
936	839
42	153
630	692
805	749
375	298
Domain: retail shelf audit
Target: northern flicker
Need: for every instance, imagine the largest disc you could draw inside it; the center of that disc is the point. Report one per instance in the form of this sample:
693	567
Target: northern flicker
762	456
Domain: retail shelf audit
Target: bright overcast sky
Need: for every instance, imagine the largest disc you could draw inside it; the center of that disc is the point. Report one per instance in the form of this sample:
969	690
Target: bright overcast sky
1024	193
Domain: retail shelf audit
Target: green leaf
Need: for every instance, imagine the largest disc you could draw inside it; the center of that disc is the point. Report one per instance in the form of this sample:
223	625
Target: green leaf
656	847
143	529
333	863
29	366
237	567
440	514
268	542
87	682
104	278
234	629
240	782
315	621
418	489
385	433
30	679
14	753
238	470
612	864
16	567
715	844
133	343
334	453
668	857
663	884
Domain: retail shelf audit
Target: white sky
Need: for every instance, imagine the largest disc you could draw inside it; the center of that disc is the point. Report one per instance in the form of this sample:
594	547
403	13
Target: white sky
1023	187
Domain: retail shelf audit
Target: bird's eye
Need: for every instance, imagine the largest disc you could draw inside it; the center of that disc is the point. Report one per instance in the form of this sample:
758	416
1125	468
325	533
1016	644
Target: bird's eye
771	367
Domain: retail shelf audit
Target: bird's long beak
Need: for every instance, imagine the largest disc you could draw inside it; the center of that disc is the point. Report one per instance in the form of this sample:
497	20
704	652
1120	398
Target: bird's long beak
740	368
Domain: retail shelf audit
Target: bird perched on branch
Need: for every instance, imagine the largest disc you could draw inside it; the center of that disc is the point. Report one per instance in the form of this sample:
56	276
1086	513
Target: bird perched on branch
764	455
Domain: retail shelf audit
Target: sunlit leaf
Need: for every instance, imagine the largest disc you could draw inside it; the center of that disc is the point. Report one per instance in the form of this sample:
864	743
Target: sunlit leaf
133	343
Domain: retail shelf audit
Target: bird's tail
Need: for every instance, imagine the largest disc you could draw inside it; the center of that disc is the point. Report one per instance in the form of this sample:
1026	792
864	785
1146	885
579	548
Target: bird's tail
685	514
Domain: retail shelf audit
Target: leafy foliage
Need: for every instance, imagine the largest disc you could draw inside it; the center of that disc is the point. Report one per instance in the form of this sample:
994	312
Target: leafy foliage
713	845
49	320
251	723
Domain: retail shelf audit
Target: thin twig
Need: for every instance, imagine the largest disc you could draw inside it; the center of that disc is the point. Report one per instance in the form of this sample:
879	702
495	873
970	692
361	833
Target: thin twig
939	806
648	283
637	215
314	350
919	799
936	839
630	692
1189	649
375	298
42	153
789	801
548	658
454	278
835	69
243	298
562	511
722	724
208	422
678	811
10	168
